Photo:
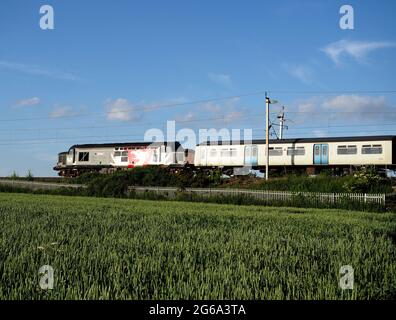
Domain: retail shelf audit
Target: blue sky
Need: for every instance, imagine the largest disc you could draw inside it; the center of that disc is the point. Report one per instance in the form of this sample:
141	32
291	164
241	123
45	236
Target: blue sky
107	68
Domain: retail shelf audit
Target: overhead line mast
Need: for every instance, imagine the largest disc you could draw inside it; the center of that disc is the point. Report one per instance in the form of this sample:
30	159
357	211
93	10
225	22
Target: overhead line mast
267	121
281	118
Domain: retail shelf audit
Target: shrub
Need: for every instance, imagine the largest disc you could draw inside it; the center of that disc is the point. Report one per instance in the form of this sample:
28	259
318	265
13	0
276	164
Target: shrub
29	175
366	180
14	175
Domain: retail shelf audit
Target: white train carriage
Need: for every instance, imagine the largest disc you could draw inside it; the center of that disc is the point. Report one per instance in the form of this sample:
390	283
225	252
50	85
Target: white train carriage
337	151
109	156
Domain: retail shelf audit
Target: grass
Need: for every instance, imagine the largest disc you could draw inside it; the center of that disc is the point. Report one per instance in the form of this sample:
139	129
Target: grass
138	249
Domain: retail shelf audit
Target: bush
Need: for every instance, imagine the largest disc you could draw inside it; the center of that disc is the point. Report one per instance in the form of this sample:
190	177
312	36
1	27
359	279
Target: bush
14	175
366	180
116	184
29	175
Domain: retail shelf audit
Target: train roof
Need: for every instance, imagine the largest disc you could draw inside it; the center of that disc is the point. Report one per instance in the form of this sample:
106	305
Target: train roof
124	144
301	140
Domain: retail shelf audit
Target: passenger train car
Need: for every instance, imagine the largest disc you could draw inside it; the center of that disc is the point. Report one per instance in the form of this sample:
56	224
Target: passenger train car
297	153
305	152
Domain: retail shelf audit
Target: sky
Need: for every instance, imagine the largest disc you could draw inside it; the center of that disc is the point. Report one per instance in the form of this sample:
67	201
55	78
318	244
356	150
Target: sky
113	71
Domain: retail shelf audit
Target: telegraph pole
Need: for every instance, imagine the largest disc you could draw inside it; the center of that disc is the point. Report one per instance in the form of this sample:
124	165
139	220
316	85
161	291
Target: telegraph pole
267	103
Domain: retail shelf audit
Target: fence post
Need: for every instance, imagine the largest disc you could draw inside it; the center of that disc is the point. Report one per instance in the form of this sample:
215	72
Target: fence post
365	197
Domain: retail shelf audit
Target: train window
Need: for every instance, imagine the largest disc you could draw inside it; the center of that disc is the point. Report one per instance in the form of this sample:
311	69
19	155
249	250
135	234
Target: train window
116	148
277	151
124	153
83	156
346	150
213	153
227	153
124	159
224	153
117	154
299	151
375	149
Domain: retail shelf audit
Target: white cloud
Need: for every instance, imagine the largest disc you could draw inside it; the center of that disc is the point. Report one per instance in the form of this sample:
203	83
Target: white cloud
300	72
211	107
344	109
27	102
355	49
225	111
307	106
186	117
220	79
233	116
355	103
38	71
61	111
121	110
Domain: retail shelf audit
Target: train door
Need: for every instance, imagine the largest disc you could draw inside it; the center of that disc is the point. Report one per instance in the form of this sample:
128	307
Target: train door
321	154
202	153
251	155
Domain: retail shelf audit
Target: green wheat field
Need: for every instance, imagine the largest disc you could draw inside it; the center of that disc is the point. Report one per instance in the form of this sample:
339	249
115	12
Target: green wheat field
102	248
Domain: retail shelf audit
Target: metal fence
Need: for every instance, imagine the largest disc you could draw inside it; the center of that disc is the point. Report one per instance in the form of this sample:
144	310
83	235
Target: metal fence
268	196
260	195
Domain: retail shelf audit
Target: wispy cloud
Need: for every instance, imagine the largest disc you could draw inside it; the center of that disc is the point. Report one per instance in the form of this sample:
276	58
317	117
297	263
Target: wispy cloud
347	108
233	116
186	117
307	106
355	103
355	49
38	71
300	72
220	79
26	102
121	110
226	111
61	111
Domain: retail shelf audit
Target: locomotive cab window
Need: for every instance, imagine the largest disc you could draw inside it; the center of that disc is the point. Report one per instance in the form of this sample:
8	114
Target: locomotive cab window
372	149
83	156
